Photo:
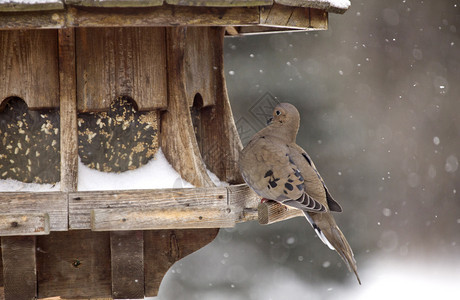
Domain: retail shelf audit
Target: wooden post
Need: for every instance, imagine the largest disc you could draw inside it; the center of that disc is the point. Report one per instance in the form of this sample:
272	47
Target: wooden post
19	267
272	212
127	260
68	110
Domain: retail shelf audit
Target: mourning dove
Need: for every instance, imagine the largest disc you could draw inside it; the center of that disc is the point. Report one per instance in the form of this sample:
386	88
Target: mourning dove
276	168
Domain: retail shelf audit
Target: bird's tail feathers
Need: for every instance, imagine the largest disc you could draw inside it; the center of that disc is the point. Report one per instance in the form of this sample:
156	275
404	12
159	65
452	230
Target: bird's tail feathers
318	231
331	235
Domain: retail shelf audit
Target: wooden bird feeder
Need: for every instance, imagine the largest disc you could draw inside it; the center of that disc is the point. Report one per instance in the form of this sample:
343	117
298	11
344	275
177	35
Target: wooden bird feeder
112	81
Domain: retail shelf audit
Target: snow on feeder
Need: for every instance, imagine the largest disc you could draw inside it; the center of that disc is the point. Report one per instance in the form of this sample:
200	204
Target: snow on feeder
111	86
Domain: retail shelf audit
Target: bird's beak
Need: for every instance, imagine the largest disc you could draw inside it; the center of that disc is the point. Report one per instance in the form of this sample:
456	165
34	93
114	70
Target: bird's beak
269	121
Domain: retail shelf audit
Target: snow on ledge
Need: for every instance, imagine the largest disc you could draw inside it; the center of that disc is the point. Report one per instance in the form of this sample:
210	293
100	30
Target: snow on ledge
11	185
156	174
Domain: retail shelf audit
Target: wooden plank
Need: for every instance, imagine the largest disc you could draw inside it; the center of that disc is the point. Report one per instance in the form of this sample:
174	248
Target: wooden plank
68	110
220	3
33	20
127	259
165	15
272	212
28	67
328	6
200	65
81	203
74	264
115	3
109	219
52	203
285	16
20	5
177	135
116	62
318	19
220	143
164	247
19	267
24	224
1	273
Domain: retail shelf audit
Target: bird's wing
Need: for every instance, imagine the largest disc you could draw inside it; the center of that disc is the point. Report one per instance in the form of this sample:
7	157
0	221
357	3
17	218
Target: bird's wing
269	170
314	183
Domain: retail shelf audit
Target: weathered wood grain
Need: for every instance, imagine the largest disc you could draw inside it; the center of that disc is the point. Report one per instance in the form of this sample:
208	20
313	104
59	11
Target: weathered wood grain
164	247
28	67
81	203
328	6
285	16
52	203
74	264
24	224
272	212
220	142
243	201
318	19
220	3
109	219
200	68
115	62
19	267
177	135
166	15
1	273
68	110
20	6
115	3
127	261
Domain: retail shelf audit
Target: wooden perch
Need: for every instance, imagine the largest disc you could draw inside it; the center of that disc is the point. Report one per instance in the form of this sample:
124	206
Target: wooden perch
272	212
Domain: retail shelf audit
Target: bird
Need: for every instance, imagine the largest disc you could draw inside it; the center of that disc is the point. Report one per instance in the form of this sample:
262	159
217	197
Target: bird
278	169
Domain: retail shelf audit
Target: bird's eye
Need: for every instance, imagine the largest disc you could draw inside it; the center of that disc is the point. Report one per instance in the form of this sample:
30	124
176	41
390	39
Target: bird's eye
277	112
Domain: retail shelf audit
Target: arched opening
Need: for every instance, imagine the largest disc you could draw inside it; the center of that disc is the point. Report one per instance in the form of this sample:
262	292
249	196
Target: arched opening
195	112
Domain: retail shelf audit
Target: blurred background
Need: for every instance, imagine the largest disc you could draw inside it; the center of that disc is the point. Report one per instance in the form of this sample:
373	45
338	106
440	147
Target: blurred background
378	95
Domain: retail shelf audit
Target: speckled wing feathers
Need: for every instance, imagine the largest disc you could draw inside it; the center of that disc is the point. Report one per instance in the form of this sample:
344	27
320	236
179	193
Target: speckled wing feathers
273	175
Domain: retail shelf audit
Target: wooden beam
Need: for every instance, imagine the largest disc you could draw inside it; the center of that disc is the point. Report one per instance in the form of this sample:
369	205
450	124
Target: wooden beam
52	203
272	212
127	260
161	218
68	110
1	273
19	267
318	19
24	224
165	15
81	203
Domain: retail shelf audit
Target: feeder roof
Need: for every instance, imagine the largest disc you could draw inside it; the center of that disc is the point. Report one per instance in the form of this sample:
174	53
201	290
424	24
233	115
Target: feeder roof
333	6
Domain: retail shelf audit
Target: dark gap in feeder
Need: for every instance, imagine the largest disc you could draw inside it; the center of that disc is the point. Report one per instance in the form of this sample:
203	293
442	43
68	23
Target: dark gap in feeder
29	143
195	112
118	140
